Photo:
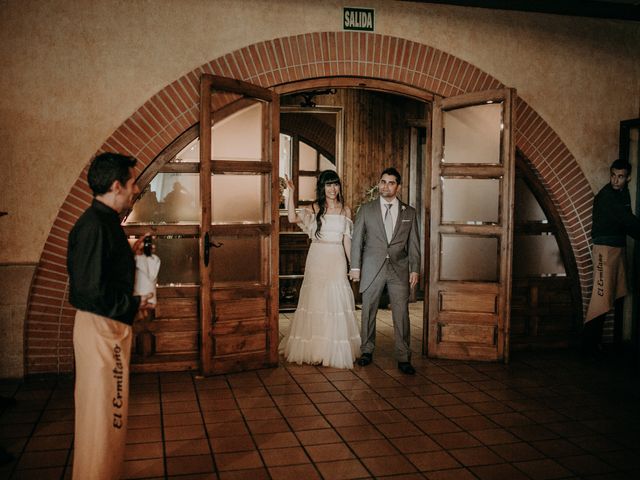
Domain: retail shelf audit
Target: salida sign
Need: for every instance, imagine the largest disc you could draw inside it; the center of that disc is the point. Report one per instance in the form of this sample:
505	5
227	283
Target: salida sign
358	19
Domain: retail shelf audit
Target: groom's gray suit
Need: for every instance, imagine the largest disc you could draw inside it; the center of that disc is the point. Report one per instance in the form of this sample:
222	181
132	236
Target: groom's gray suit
385	263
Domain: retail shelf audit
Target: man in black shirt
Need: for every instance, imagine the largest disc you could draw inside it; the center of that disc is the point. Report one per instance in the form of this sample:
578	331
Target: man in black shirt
613	220
101	268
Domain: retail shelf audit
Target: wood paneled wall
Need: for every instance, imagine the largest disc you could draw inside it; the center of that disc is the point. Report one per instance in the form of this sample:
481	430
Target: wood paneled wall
375	136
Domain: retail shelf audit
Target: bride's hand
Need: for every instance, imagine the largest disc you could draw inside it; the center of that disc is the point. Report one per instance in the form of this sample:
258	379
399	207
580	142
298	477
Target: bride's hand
290	185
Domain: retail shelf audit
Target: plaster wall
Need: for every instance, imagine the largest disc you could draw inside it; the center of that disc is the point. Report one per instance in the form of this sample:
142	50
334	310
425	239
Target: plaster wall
74	70
15	281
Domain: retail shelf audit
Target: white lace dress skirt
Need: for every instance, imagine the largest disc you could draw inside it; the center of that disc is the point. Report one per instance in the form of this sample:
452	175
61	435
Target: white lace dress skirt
324	329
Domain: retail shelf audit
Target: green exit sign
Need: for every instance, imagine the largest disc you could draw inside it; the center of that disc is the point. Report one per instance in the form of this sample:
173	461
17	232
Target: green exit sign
358	19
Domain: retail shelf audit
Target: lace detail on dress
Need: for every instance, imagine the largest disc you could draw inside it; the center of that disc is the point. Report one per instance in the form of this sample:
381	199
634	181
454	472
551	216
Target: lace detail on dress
308	224
334	226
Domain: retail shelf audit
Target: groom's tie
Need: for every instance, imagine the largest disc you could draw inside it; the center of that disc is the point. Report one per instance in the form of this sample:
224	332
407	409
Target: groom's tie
388	222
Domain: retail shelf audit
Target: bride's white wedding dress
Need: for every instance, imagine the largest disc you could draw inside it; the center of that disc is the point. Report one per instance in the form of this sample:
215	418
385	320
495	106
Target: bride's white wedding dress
324	329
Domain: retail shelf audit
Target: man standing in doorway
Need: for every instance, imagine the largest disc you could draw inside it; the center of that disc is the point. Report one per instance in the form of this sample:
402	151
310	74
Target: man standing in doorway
101	268
385	251
613	220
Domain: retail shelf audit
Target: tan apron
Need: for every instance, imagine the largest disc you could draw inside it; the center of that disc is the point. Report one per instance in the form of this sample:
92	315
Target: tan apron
102	350
609	280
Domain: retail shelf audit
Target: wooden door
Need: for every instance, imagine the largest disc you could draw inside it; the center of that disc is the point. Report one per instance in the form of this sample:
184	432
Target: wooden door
239	194
472	184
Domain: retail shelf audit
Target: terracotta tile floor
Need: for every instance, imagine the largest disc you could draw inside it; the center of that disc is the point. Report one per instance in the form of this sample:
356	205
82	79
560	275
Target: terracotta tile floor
546	415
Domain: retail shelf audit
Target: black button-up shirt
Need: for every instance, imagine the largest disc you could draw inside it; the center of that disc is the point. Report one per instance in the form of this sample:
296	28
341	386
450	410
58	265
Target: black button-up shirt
613	219
101	265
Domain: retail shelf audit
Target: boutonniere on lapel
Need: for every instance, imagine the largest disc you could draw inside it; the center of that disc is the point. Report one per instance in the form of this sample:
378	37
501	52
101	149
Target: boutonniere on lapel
403	219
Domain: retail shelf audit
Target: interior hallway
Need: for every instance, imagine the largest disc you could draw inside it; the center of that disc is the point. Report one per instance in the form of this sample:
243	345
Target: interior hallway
544	416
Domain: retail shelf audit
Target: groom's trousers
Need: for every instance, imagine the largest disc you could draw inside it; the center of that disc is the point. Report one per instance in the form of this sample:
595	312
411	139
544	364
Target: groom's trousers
398	289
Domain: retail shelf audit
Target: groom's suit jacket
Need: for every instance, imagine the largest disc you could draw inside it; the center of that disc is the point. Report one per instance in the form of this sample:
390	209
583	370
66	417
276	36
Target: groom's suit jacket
370	249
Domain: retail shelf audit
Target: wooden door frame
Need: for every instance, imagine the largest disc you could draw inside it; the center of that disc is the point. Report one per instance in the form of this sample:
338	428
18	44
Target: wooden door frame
503	231
206	312
623	152
210	84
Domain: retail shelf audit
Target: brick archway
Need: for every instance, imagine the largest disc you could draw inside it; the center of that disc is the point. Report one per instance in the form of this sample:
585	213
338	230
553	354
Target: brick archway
174	109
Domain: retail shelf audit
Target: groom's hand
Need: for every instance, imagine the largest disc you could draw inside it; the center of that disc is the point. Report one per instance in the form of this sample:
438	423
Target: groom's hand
354	275
413	279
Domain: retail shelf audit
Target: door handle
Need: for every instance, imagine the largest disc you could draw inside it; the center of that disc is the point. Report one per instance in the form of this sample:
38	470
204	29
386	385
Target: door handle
207	246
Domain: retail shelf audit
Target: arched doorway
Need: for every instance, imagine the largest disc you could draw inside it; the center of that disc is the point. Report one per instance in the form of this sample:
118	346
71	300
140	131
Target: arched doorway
173	335
151	129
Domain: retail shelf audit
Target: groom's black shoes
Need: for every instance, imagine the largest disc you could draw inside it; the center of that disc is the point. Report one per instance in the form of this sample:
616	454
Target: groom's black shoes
365	359
406	368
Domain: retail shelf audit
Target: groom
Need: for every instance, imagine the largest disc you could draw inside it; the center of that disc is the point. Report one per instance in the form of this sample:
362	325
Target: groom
385	251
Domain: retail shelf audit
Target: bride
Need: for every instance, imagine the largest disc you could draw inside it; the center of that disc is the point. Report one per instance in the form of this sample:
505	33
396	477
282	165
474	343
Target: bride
324	330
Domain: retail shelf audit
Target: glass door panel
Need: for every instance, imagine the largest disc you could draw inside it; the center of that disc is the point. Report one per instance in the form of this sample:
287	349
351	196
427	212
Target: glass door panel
238	260
326	164
470	258
307	191
179	257
473	134
471	201
239	136
238	199
170	198
308	158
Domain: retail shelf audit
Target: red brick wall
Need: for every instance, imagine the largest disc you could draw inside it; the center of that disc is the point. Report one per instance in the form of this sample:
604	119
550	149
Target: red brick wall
174	109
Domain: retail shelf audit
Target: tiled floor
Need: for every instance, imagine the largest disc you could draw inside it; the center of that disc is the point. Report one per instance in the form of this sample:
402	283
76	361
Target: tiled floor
544	416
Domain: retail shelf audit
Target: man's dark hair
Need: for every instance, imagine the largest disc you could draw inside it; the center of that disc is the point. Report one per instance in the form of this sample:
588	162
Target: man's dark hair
621	164
394	172
106	168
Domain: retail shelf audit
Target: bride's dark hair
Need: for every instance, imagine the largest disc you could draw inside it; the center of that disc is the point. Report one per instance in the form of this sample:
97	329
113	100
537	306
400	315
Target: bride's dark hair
328	177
